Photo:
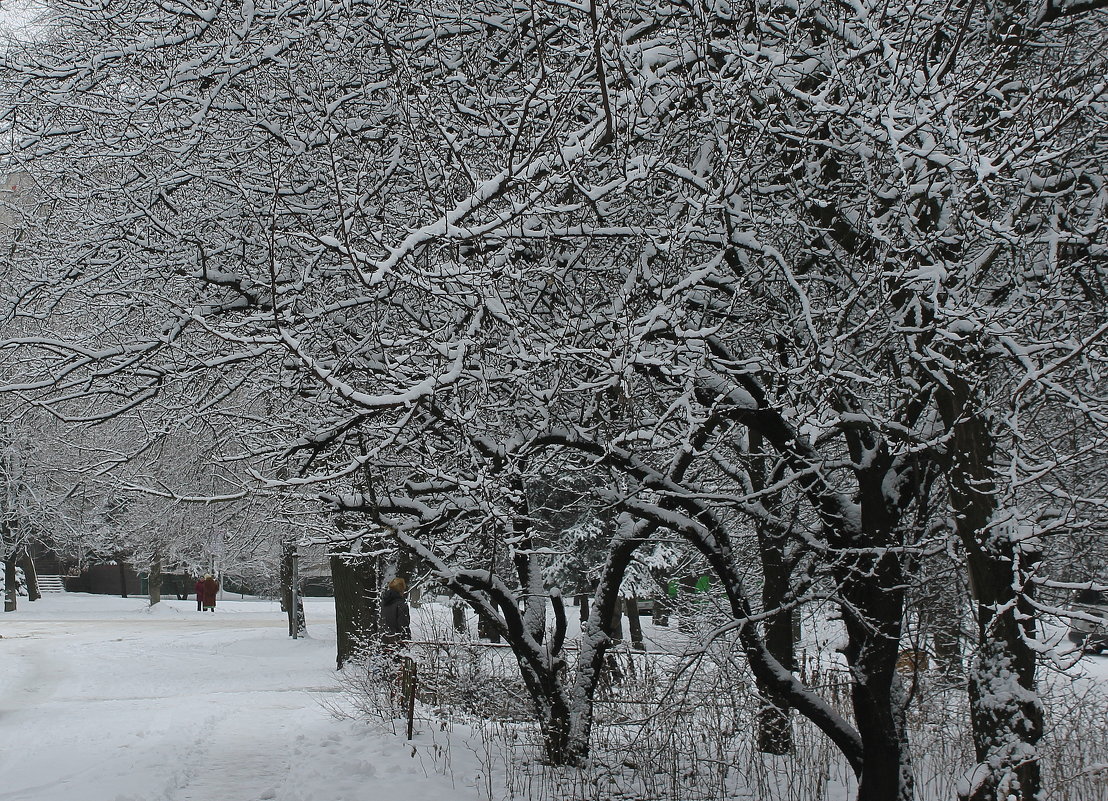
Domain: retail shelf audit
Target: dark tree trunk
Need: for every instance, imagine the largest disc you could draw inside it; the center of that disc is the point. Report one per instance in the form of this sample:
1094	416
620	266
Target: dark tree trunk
11	592
295	611
615	622
155	579
1004	722
407	568
774	731
1005	711
30	575
563	708
686	595
874	596
357	617
122	578
659	614
1006	714
942	609
486	631
582	601
458	618
634	625
555	722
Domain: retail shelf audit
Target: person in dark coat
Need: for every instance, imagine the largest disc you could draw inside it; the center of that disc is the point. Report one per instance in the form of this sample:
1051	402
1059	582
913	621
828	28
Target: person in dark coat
211	587
199	594
396	622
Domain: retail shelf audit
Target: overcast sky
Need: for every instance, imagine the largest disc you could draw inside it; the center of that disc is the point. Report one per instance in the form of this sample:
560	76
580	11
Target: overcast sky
14	14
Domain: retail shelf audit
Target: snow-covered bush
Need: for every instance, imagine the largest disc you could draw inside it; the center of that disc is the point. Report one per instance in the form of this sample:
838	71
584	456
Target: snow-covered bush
680	723
20	582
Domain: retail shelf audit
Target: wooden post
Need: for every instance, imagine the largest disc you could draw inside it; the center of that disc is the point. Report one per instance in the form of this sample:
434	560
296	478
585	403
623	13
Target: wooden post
409	690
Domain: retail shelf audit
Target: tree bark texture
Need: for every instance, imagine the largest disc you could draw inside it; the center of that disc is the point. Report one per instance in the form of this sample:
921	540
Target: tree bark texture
155	580
295	612
1006	713
458	618
942	609
774	731
357	603
634	625
30	575
774	541
11	592
874	595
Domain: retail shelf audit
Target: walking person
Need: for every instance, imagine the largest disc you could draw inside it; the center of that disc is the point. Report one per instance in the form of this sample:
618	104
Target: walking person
199	588
395	618
211	587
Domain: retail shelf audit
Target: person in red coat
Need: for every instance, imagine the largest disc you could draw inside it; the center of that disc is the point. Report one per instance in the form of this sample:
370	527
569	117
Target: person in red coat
211	587
199	594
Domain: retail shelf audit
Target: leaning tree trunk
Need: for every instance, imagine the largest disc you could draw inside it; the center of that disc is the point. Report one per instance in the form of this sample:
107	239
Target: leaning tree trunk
356	603
11	592
30	575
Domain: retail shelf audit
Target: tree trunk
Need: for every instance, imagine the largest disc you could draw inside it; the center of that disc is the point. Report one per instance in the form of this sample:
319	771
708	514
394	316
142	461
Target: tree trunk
634	625
686	605
659	615
155	579
1006	713
294	610
458	618
560	747
941	612
582	600
11	591
774	731
486	632
1005	710
615	623
873	592
356	603
30	575
122	578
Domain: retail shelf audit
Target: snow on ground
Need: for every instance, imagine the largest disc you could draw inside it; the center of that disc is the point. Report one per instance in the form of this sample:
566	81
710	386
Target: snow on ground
108	699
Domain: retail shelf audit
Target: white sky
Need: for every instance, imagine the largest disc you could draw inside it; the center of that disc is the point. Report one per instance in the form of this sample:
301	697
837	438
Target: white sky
16	15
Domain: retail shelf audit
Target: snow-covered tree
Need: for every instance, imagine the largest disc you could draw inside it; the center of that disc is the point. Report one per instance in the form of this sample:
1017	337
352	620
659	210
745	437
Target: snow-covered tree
830	274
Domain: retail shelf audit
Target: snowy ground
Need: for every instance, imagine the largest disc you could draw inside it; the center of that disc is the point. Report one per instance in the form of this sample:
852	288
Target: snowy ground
107	699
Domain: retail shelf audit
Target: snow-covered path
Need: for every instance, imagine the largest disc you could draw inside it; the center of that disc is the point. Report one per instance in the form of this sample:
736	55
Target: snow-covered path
105	699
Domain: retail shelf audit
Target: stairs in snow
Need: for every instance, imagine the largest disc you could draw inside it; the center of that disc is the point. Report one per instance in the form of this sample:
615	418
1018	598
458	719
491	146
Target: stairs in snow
50	584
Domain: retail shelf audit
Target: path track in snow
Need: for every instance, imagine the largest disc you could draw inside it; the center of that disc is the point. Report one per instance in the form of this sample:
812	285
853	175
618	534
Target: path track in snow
165	706
241	754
